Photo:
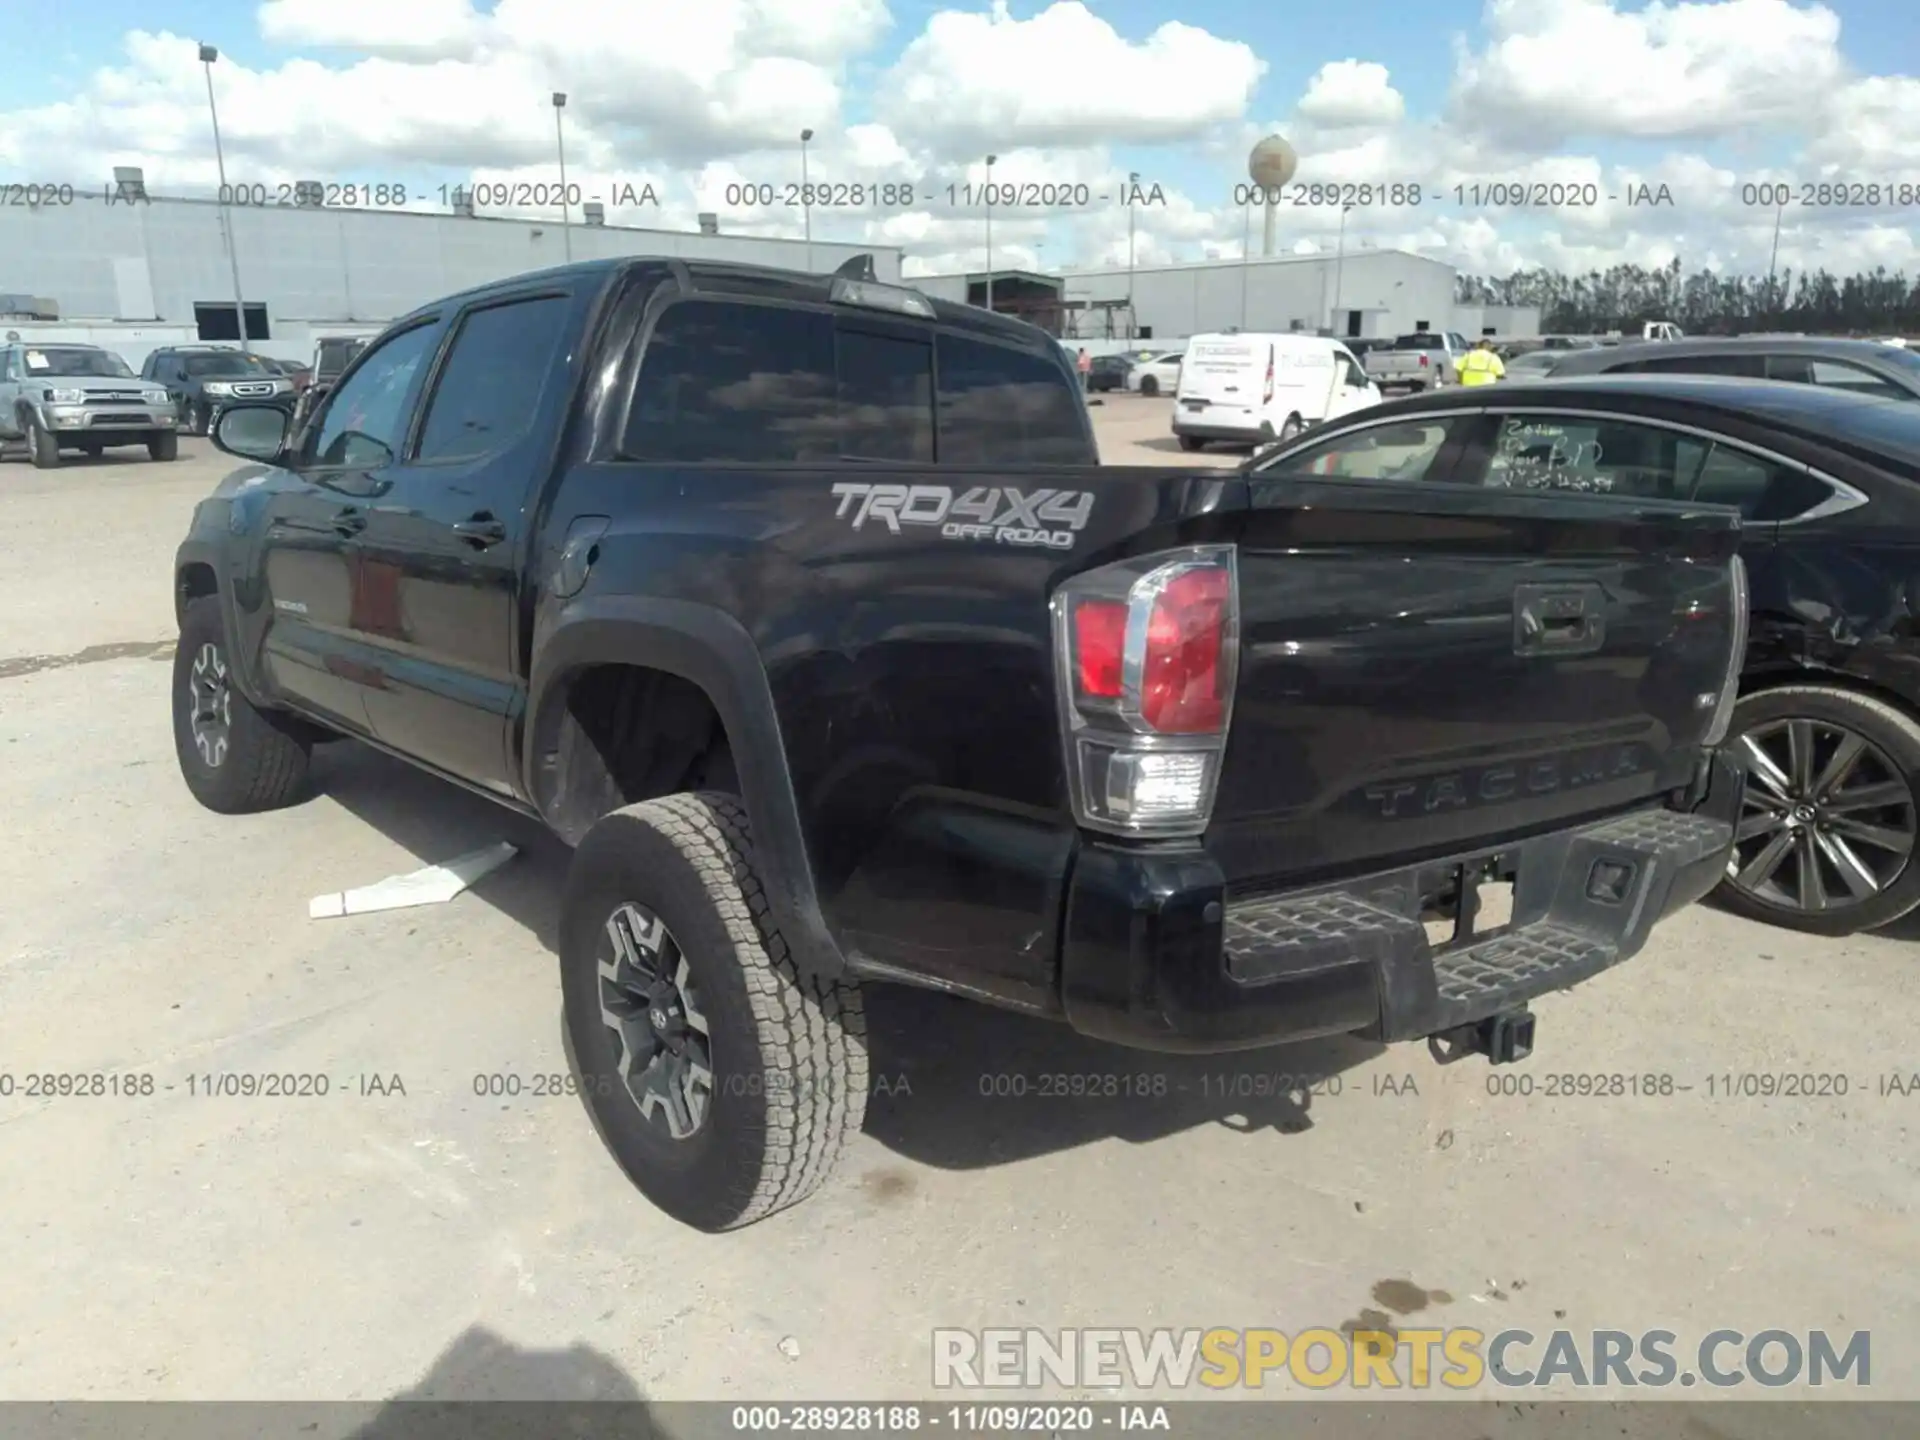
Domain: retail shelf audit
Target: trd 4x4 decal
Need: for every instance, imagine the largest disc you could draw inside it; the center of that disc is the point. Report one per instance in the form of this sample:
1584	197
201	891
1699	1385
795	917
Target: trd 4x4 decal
1049	518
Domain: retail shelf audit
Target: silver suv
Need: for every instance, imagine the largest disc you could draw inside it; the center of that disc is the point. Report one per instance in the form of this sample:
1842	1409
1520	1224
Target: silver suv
81	397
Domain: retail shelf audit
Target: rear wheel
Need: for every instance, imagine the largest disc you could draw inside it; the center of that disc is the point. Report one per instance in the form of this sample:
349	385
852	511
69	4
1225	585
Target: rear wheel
1292	428
1826	841
1191	442
725	1082
1149	385
92	449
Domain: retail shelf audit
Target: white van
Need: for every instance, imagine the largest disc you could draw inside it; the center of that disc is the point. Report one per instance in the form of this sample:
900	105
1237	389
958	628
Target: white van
1252	389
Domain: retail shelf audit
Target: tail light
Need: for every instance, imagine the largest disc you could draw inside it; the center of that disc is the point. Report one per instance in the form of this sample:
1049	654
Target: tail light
1736	658
1423	360
1148	652
1266	397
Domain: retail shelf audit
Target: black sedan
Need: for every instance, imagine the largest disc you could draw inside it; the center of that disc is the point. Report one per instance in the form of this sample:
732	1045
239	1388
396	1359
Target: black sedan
1828	720
1109	372
1861	367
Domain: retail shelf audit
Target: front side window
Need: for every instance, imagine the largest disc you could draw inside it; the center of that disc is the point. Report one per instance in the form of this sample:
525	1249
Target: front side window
736	383
1403	452
1004	406
491	384
366	418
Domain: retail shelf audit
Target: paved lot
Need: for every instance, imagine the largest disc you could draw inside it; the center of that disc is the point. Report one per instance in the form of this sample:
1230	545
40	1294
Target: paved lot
171	1245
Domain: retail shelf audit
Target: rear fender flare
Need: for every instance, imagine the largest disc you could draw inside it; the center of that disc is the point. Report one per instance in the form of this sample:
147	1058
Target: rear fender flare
712	650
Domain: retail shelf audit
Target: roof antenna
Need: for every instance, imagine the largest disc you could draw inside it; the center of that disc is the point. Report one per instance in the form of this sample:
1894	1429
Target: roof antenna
860	267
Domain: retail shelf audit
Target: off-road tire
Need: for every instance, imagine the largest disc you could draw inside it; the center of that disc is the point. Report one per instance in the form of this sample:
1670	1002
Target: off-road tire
265	766
788	1051
164	446
1896	733
42	446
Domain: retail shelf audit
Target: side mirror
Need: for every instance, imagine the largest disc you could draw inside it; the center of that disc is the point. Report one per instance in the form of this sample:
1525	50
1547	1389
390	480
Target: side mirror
252	432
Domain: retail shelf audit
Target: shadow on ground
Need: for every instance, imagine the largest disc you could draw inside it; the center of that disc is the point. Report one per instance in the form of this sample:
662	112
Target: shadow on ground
955	1085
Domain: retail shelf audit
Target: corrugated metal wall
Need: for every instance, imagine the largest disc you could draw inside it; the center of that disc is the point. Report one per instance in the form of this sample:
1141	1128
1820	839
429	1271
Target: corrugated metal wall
320	265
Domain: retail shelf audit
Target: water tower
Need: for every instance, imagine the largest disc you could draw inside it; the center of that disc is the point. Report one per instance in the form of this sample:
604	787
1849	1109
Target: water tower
1271	166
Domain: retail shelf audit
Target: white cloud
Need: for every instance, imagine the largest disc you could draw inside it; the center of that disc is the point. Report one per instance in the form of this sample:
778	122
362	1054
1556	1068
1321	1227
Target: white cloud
1560	68
972	83
1351	93
398	29
1871	126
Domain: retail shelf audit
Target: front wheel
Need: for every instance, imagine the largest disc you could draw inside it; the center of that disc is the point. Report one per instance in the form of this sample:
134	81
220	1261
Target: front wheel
1191	443
163	446
42	446
725	1081
235	759
1826	841
1292	428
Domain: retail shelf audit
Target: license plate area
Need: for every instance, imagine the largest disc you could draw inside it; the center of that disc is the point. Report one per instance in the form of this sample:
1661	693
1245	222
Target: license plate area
1467	903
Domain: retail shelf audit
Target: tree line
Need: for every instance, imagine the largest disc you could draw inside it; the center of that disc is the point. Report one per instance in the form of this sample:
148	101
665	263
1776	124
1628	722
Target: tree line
1706	302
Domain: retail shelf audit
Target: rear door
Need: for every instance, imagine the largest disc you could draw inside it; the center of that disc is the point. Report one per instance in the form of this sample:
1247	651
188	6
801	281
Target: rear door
444	543
1428	663
1224	379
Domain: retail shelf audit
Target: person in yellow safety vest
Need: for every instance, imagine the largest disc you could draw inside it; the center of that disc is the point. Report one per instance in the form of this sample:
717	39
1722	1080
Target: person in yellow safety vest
1480	366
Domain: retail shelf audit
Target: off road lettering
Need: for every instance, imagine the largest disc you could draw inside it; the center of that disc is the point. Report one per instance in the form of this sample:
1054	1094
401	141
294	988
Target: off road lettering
1001	515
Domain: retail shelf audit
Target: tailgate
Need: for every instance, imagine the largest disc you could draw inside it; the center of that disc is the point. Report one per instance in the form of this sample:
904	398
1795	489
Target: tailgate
1423	669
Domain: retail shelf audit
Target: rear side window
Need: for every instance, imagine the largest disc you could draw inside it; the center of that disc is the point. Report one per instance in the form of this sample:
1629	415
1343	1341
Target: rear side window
735	383
1753	367
1003	406
1759	489
1585	453
492	381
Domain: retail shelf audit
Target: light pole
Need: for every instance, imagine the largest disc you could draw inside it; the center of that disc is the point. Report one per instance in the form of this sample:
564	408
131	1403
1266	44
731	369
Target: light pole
1133	184
806	197
1773	260
987	191
560	144
1340	261
207	56
1246	256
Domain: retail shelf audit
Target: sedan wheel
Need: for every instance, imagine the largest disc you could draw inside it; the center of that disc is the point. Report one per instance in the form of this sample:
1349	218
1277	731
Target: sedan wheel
1829	825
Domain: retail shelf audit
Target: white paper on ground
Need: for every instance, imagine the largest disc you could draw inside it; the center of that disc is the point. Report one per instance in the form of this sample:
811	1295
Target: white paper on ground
434	885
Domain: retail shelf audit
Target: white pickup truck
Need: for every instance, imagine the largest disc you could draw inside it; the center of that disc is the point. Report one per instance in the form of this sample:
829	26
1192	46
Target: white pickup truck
1424	360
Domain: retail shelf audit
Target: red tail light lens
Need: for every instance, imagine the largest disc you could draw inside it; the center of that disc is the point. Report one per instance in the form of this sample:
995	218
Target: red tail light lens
1099	646
1423	361
1267	397
1181	691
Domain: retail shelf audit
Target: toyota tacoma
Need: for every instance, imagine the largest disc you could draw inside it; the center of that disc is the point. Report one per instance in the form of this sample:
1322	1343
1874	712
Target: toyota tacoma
800	607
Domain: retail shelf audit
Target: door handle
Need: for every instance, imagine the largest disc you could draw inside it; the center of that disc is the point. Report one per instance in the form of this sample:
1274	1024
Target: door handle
1558	620
481	532
349	521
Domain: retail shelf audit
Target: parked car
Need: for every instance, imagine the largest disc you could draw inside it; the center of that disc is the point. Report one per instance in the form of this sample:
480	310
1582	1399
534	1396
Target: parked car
1532	364
1159	374
1860	367
1252	389
203	379
298	371
80	397
1828	482
1423	360
1251	746
1109	373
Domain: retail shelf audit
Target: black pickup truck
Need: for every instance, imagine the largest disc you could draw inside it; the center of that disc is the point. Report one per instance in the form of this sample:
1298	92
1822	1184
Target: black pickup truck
801	608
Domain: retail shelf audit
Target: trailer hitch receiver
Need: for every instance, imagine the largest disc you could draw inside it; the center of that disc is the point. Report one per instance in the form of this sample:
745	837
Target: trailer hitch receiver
1504	1039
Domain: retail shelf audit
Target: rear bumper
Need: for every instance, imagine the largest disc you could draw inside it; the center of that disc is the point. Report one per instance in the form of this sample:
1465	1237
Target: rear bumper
1157	957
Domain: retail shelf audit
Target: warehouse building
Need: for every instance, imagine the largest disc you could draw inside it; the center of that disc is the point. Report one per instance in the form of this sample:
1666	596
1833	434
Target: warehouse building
131	271
1363	293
